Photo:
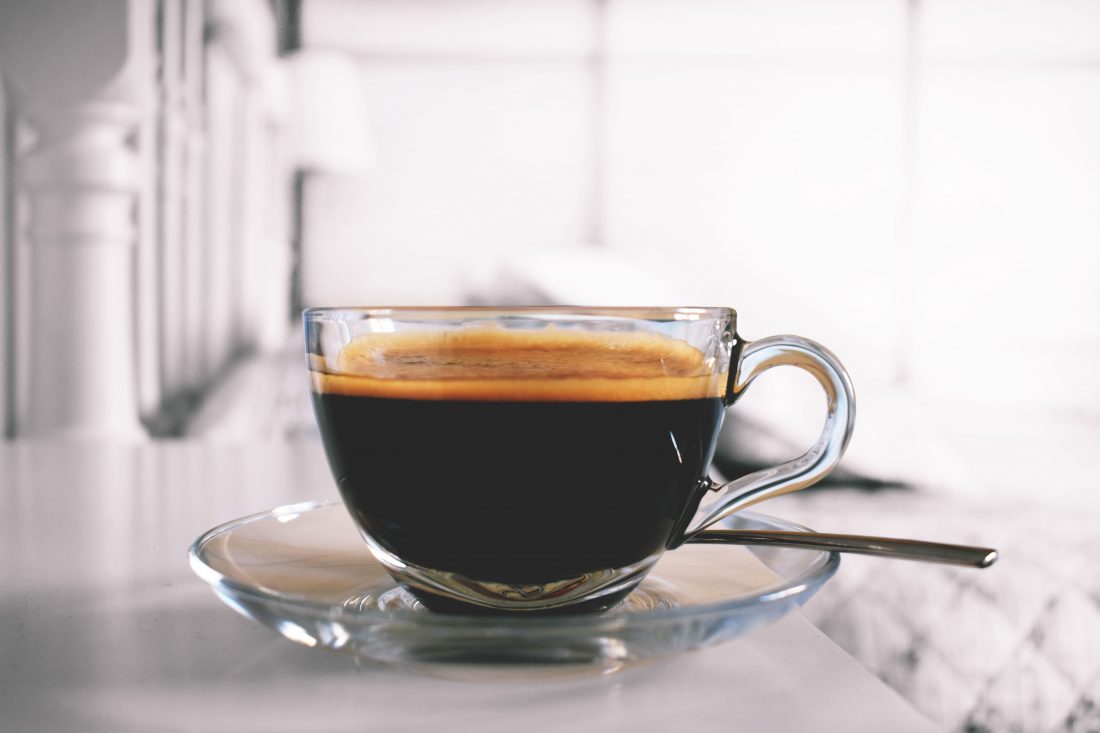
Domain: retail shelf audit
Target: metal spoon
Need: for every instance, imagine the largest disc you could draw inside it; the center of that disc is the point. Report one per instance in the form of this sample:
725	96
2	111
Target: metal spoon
977	557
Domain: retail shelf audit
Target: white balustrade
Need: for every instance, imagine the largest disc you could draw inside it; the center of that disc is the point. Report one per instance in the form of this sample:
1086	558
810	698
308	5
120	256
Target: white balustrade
7	276
82	178
157	248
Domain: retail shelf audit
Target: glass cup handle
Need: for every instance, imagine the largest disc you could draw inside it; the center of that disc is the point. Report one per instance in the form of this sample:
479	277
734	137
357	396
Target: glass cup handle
756	358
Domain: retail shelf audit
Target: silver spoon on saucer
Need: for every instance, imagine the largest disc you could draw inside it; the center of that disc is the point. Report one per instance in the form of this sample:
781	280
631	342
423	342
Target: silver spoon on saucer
899	549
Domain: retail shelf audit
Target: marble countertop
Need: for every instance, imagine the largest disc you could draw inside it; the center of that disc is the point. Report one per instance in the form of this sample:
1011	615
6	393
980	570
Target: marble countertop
104	627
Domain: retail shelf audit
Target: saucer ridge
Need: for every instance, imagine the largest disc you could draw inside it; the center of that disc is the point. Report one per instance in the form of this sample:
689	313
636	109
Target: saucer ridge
304	571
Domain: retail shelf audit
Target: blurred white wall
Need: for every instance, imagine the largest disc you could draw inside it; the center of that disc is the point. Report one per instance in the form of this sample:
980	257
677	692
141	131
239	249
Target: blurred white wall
482	122
915	184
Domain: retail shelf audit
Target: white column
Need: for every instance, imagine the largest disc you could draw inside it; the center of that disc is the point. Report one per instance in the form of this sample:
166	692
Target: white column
83	178
195	365
76	70
249	223
148	321
172	145
7	276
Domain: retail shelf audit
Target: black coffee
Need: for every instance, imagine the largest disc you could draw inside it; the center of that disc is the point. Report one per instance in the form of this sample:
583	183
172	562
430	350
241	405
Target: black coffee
519	467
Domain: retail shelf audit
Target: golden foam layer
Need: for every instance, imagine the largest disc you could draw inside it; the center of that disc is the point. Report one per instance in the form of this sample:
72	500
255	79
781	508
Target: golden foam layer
510	365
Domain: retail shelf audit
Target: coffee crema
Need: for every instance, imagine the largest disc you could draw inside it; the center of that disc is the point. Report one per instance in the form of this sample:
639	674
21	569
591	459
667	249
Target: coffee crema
552	365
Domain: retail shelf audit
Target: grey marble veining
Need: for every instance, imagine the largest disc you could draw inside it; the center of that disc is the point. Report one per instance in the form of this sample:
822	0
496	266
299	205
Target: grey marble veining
1015	647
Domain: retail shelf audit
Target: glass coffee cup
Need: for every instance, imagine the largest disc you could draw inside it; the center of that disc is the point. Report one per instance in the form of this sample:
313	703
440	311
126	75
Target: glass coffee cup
542	459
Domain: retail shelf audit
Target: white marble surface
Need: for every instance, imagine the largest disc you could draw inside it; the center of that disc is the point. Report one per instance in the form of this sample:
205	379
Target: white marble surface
103	626
1015	648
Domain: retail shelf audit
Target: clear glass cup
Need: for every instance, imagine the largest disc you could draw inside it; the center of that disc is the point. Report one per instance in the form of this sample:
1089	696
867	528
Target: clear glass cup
542	459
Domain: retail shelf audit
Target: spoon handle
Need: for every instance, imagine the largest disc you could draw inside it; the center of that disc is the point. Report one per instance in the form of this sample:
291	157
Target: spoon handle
978	557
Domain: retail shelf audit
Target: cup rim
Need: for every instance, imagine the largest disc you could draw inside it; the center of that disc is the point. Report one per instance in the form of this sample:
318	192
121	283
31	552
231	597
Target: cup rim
431	312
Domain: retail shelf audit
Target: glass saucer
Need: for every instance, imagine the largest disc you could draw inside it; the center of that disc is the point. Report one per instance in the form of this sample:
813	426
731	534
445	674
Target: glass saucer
304	571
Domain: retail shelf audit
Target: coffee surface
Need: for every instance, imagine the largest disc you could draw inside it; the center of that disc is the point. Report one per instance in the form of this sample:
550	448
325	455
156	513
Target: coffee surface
548	365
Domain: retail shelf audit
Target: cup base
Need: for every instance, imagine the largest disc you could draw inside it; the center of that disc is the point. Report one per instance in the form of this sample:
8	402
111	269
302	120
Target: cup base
445	591
445	605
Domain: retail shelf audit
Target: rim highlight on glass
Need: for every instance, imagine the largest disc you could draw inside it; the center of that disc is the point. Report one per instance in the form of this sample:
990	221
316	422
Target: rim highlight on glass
428	313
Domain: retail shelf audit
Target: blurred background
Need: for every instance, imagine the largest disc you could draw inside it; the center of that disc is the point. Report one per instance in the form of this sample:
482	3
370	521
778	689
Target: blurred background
915	184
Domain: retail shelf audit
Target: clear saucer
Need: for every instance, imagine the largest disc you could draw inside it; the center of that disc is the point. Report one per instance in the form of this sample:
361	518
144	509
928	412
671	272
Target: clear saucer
304	571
